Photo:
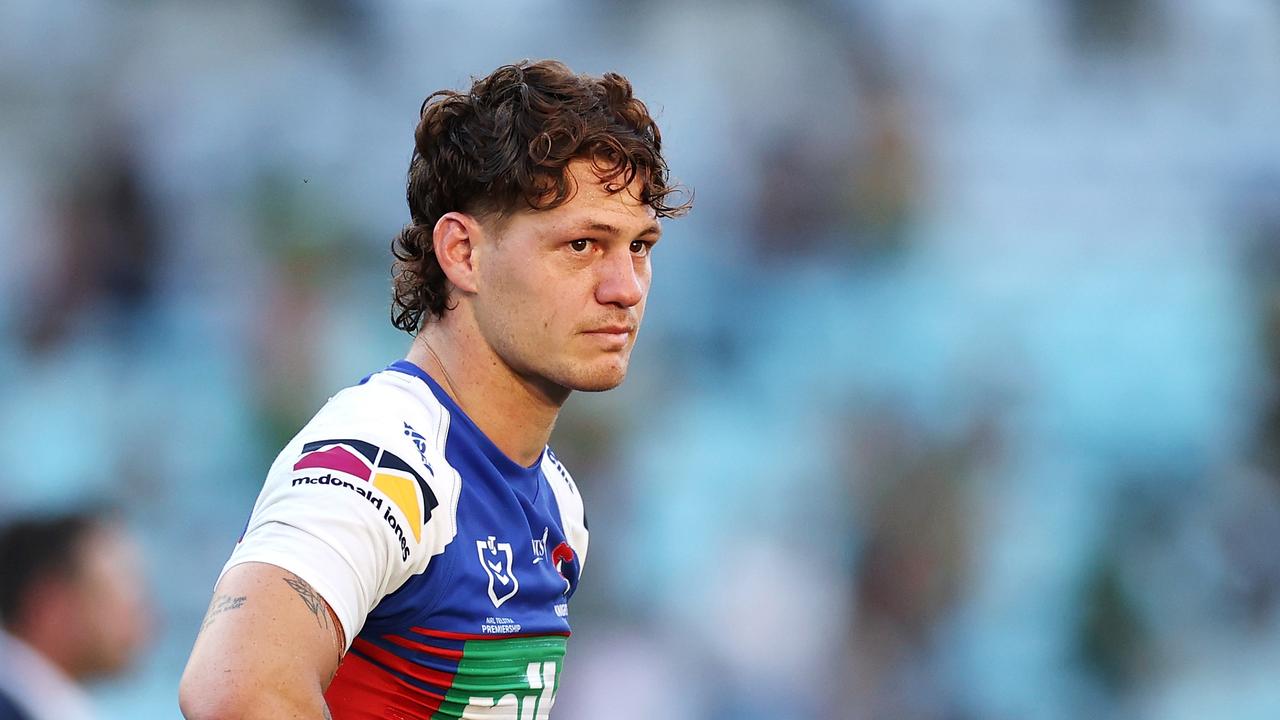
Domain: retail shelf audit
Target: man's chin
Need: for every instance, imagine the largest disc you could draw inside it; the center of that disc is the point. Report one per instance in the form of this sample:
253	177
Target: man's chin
597	379
596	384
597	387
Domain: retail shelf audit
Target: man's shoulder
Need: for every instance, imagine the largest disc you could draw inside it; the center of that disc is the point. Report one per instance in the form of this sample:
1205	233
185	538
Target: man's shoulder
382	427
385	409
366	472
380	400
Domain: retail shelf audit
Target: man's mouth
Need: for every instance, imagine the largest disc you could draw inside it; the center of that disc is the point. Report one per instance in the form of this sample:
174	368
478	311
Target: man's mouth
613	335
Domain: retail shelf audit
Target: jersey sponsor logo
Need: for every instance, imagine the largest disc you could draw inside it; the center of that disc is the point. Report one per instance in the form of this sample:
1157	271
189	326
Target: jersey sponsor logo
540	547
328	479
560	468
541	677
338	456
420	443
385	470
495	558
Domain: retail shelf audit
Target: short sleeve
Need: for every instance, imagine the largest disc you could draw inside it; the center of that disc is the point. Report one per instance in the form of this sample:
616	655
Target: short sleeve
352	512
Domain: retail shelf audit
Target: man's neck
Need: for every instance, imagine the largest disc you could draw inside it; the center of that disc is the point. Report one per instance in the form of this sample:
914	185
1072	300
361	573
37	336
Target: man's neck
511	411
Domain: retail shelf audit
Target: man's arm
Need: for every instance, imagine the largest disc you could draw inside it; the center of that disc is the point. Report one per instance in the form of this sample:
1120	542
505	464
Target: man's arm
268	648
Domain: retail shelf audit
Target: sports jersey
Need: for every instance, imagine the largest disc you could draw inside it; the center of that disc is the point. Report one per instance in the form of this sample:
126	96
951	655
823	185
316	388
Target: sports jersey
449	566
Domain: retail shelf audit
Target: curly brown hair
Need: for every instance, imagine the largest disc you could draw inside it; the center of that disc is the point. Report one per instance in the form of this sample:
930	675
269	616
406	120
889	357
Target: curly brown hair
506	144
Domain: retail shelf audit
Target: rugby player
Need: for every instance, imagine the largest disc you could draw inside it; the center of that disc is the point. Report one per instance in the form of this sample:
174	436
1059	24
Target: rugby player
415	546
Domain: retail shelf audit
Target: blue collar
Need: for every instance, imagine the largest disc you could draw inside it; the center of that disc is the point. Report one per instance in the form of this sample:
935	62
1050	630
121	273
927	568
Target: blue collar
510	469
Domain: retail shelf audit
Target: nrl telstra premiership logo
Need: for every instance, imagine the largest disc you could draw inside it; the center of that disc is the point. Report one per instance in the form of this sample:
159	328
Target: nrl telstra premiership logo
495	558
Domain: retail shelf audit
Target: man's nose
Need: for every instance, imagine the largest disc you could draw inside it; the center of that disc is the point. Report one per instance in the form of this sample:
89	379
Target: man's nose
621	282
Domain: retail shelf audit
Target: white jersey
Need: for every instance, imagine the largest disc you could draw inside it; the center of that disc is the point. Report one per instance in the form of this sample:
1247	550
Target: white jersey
448	565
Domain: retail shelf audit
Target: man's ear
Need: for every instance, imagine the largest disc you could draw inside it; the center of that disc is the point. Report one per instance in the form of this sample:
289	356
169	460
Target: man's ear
454	239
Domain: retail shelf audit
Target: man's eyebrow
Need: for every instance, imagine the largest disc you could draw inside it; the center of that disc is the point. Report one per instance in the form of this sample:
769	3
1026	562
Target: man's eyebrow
653	229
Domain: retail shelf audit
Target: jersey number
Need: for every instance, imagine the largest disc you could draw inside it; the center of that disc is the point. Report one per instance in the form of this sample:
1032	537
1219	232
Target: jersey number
541	676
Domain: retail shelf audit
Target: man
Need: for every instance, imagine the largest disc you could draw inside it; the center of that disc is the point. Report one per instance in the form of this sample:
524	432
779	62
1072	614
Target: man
72	609
414	548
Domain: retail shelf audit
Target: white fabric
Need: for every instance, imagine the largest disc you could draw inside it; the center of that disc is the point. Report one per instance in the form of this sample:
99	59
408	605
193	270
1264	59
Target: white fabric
572	514
38	686
330	535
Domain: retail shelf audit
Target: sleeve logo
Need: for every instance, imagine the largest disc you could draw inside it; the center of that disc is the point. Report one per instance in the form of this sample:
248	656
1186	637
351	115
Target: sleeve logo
495	558
420	443
399	482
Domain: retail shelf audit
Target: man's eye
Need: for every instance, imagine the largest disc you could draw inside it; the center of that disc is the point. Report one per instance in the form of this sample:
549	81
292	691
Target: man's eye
641	248
580	245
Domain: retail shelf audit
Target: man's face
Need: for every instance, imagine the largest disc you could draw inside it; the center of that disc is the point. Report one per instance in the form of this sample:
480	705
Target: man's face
561	292
109	593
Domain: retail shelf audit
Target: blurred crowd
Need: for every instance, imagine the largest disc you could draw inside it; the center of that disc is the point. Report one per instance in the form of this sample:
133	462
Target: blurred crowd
958	396
73	609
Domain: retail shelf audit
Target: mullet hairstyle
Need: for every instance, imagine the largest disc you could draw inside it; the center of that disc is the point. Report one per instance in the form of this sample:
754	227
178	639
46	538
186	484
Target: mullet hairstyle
506	145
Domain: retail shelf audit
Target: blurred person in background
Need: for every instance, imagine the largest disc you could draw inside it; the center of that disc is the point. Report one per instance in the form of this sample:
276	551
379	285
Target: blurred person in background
73	609
415	547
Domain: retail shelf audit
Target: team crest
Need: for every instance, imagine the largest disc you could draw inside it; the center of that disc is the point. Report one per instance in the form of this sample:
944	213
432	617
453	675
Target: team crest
495	558
563	558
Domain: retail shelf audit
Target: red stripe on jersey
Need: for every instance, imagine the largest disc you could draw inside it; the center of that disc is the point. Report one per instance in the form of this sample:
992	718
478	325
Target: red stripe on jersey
427	675
423	647
364	691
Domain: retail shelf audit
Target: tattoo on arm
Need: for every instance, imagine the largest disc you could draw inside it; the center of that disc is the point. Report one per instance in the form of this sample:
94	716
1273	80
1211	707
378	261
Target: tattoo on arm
314	602
320	610
221	604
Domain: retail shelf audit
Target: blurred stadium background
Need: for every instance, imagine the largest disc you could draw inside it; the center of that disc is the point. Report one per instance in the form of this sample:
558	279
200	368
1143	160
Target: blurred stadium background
957	395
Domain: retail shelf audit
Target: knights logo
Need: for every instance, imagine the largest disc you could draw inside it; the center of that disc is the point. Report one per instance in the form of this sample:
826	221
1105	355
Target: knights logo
563	558
495	558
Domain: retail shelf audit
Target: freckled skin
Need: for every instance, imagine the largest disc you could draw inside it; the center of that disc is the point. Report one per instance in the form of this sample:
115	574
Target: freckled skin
540	295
